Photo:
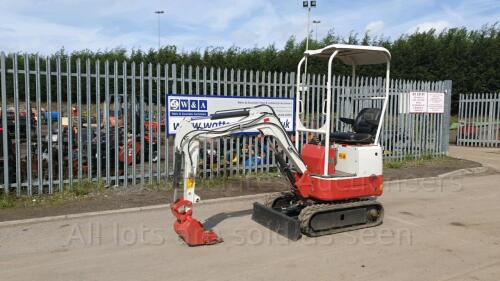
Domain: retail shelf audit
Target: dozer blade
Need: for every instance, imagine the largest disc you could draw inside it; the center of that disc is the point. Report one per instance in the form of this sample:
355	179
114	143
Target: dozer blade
276	221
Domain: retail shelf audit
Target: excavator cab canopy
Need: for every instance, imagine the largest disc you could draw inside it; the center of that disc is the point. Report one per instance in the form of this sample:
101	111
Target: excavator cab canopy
353	54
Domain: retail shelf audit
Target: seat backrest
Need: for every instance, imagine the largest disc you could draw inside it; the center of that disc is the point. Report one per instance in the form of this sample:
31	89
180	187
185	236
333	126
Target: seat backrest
367	121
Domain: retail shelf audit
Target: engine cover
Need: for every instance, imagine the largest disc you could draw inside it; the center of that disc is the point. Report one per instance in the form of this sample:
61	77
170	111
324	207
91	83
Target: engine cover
314	157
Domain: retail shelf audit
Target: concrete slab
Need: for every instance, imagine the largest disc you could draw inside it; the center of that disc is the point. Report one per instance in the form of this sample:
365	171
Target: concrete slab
489	157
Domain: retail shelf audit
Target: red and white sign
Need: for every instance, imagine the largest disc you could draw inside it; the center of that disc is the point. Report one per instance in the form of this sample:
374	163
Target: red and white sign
418	102
422	102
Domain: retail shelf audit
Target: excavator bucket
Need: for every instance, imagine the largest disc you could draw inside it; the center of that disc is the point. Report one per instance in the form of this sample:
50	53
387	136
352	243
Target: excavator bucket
189	228
276	221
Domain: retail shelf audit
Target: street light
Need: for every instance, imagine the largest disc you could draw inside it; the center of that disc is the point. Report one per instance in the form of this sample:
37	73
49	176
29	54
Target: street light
308	4
159	12
316	22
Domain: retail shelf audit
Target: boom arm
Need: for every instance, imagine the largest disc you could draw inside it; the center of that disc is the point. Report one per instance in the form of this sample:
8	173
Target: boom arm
187	141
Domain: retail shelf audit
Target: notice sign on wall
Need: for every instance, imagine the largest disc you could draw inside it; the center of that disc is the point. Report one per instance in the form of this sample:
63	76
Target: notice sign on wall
422	102
201	107
418	102
435	102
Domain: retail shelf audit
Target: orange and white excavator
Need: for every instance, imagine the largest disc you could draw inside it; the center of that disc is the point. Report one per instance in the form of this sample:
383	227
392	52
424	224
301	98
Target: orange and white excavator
334	181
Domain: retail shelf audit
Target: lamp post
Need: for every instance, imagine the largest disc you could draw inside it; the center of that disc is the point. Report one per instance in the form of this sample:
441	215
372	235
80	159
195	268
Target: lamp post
308	4
316	22
159	12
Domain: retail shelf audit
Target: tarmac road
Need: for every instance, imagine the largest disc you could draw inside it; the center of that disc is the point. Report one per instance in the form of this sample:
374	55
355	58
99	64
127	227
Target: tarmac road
434	229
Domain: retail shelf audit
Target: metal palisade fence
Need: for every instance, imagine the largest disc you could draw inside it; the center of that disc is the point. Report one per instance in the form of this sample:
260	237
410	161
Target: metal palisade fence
69	120
479	120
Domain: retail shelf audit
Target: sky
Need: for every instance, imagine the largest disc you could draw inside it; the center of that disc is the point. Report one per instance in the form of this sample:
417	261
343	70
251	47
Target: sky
46	26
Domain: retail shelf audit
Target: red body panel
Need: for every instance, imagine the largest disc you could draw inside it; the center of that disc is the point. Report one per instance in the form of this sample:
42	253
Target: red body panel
314	157
330	189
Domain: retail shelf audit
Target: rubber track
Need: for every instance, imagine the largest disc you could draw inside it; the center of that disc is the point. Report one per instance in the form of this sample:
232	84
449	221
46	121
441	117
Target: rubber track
308	212
269	201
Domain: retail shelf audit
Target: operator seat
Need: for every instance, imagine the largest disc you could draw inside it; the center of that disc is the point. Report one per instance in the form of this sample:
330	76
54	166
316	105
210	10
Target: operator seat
364	128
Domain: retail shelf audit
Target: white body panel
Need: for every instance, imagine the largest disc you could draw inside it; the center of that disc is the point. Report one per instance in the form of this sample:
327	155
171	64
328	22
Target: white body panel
361	160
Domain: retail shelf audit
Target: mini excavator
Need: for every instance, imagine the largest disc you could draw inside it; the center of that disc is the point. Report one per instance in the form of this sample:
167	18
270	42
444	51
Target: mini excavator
334	181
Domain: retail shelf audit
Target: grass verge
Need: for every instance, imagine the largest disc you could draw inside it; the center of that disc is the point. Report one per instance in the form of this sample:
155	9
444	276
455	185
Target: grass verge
77	191
215	181
412	161
86	189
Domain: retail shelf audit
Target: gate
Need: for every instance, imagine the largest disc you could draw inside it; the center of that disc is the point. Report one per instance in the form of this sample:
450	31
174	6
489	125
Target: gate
479	120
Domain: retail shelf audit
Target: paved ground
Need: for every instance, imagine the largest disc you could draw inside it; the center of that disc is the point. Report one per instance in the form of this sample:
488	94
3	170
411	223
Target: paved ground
447	229
489	157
